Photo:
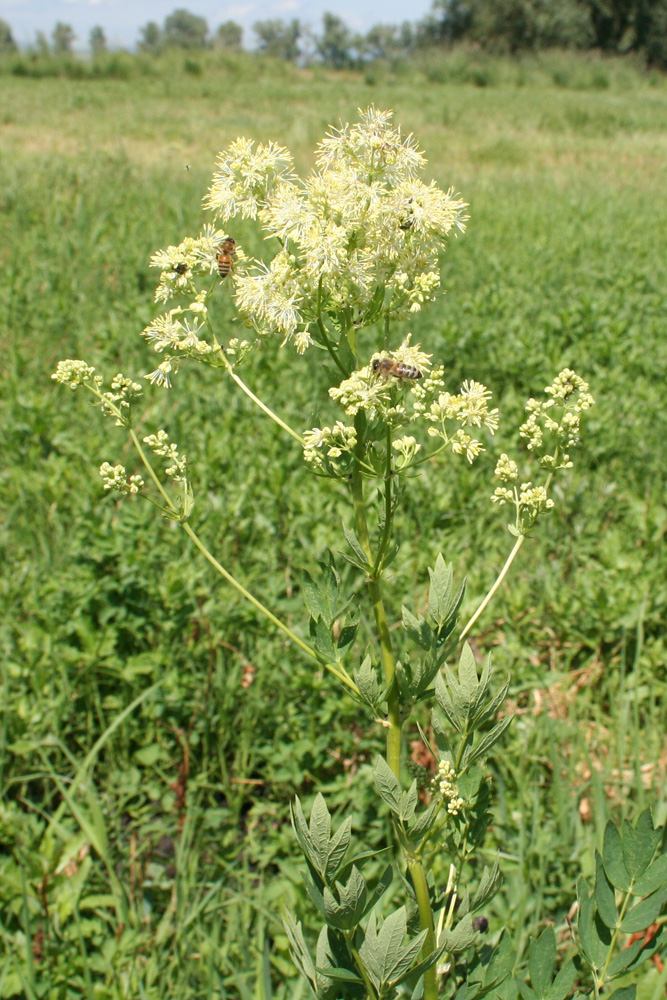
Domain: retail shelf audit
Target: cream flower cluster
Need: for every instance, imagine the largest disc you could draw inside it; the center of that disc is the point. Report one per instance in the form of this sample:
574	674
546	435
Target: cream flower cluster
445	782
360	235
75	373
115	478
160	445
467	408
324	446
398	400
559	415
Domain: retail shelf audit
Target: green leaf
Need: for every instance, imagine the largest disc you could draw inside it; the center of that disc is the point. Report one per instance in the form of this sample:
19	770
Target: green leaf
440	590
489	884
322	638
360	559
423	822
612	858
639	844
366	680
447	705
346	912
334	972
460	937
625	958
337	849
604	895
542	961
397	958
381	887
488	741
625	993
526	992
643	914
418	629
320	830
654	876
585	915
563	983
387	785
468	674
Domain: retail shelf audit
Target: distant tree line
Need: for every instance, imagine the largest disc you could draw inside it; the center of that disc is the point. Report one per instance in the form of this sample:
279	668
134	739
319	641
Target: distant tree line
512	26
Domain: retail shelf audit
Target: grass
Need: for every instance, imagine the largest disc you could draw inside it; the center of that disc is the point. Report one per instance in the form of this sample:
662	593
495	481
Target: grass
123	659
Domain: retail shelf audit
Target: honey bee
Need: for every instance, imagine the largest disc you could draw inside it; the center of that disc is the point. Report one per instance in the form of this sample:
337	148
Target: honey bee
399	369
226	255
180	268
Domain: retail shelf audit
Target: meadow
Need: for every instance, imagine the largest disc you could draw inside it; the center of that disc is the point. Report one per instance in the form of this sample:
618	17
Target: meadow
132	675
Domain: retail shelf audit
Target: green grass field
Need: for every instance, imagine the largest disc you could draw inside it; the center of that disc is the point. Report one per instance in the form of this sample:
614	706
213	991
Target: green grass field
123	656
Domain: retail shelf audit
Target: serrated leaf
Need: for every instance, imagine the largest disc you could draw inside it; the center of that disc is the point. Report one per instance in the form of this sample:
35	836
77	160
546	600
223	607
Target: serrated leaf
440	590
337	849
423	822
320	829
489	884
366	680
484	713
654	876
397	958
468	674
643	914
417	629
604	895
488	741
639	844
314	892
542	961
357	549
345	912
322	638
460	937
387	785
562	985
612	858
335	972
409	802
446	704
298	949
381	887
302	834
315	601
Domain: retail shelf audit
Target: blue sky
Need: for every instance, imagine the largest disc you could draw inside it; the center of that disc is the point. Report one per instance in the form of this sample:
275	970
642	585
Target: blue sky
121	19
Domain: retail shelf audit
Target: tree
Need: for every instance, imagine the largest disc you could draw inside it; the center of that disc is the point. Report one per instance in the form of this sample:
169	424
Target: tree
335	45
388	41
229	36
7	43
42	44
151	37
186	30
97	41
448	22
278	38
63	36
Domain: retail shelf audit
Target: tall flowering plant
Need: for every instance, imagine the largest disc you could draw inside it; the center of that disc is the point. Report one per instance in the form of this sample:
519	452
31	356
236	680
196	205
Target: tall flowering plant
355	254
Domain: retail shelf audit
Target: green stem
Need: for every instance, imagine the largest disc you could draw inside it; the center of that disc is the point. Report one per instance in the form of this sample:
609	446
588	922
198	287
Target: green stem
263	407
330	348
370	989
386	534
265	611
375	593
420	885
501	576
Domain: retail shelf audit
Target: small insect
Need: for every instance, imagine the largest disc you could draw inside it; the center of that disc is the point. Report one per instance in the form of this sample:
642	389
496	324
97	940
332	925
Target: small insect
180	268
399	369
226	255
